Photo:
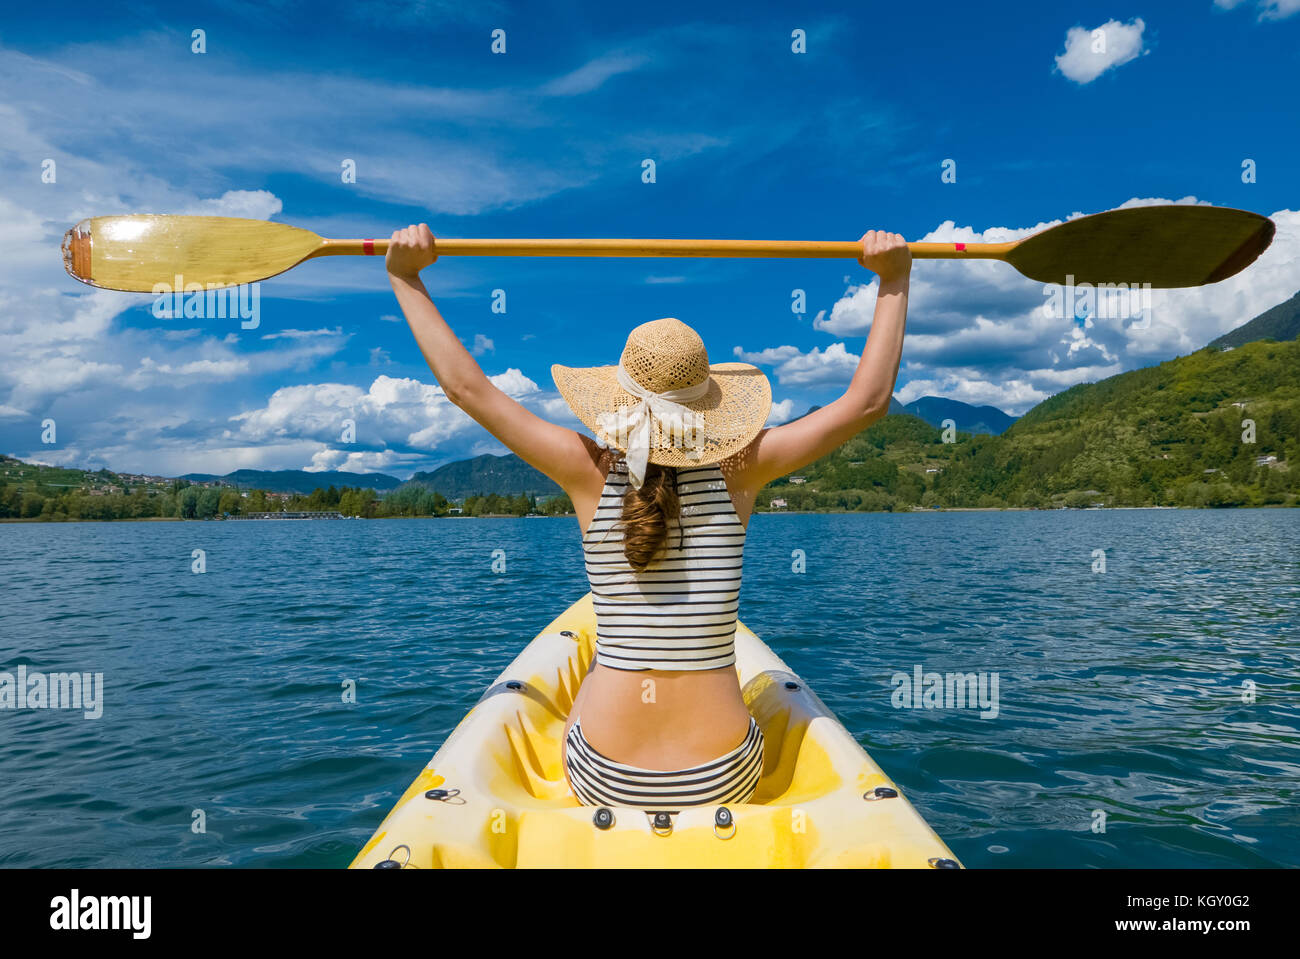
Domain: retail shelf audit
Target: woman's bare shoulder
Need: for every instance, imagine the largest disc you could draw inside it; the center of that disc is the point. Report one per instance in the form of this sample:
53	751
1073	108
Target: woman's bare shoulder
738	468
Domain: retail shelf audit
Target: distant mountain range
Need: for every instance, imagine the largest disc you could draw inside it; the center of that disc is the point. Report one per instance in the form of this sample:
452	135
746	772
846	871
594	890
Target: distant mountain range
935	409
297	481
1281	323
506	475
969	419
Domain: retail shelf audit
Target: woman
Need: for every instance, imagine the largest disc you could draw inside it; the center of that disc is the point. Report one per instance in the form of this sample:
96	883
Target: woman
663	503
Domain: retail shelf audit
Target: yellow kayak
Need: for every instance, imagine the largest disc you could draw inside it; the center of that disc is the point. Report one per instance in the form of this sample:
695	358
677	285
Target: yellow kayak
495	794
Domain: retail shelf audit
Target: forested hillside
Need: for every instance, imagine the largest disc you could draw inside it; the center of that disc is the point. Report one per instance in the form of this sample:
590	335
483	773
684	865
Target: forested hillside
1177	434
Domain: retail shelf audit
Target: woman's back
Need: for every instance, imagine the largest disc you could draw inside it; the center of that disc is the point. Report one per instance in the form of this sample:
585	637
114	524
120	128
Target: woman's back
663	693
678	613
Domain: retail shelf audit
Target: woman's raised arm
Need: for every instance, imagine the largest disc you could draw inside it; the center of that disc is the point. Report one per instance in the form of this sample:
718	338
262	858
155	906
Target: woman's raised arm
783	449
564	455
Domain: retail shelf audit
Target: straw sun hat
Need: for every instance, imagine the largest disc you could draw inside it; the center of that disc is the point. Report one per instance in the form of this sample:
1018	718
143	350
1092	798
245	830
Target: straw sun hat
664	403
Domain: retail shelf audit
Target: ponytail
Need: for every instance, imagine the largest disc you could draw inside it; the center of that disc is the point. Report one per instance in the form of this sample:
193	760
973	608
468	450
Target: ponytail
647	514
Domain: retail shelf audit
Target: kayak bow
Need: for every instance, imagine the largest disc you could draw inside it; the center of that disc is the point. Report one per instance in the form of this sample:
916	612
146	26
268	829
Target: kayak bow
495	794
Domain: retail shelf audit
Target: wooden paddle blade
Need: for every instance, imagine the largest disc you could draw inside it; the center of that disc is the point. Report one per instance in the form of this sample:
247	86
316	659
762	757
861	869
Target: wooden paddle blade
140	252
1166	246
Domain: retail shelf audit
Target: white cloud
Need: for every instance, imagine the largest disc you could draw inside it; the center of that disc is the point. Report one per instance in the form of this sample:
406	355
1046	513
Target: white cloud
832	366
365	461
248	204
1090	53
972	386
781	412
591	76
150	371
852	313
302	334
1077	341
58	374
218	361
768	357
482	344
177	458
398	420
1268	9
557	410
514	384
1277	9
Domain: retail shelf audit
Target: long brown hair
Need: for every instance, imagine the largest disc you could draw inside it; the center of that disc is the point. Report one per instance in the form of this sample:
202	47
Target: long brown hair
648	513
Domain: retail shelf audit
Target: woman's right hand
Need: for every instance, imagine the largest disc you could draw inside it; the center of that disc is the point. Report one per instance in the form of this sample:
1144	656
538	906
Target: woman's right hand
886	255
410	251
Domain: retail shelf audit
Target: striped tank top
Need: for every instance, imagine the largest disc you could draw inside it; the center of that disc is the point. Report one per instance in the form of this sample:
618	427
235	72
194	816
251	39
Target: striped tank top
680	612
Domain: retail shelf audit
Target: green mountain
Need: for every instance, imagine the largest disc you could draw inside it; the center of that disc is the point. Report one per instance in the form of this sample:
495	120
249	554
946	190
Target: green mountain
969	419
506	475
1174	434
297	481
14	472
882	468
1281	323
1177	434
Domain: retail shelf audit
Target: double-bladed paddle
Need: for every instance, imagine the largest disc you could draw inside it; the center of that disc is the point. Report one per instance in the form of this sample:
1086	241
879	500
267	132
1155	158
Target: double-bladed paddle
1164	246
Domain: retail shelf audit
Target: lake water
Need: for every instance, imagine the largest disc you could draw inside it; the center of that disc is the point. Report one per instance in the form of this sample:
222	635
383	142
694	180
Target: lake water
1121	694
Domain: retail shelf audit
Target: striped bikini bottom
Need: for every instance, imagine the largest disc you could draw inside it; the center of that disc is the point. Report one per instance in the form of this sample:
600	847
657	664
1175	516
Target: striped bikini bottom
599	781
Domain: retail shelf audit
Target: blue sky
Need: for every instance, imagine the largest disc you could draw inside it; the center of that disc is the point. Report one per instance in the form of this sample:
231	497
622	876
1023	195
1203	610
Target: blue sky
750	140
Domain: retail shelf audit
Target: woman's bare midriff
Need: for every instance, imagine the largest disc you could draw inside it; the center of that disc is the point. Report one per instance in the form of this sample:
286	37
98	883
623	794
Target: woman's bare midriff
661	720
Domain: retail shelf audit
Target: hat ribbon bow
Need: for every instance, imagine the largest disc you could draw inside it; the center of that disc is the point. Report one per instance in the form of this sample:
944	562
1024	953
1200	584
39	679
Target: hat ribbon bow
664	410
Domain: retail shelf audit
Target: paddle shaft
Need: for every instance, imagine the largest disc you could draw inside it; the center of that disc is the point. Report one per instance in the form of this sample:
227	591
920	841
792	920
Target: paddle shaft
781	249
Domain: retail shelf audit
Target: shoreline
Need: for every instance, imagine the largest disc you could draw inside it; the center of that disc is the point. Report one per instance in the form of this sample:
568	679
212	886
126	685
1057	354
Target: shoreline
778	512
